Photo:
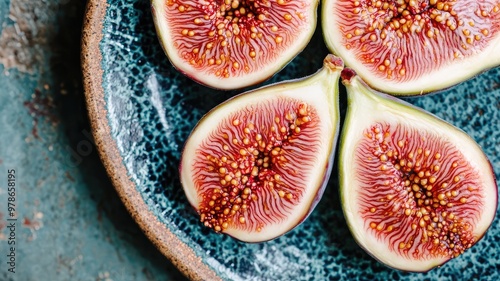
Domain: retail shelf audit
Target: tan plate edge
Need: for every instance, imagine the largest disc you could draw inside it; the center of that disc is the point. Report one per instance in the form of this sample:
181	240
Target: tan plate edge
179	253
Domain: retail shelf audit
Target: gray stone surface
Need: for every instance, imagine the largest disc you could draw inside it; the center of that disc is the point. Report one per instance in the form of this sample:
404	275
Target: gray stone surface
70	223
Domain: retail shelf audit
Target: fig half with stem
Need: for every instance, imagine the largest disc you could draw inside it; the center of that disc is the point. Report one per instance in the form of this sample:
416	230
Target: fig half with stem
416	191
412	47
255	166
230	44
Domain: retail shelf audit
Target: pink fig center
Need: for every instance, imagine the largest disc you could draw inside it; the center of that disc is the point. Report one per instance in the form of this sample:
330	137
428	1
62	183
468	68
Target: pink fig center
252	170
231	37
420	195
401	40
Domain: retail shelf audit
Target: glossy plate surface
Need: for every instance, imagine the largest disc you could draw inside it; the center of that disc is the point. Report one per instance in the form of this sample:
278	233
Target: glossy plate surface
142	110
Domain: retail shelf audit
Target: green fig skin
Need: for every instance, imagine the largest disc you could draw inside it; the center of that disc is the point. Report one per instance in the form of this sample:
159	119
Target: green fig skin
415	190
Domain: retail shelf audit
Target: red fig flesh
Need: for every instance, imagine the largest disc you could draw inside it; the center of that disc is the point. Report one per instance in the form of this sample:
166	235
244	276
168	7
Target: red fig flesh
234	43
416	191
255	166
413	47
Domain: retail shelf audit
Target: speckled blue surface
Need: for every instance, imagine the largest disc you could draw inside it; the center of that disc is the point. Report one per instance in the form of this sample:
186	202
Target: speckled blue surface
152	108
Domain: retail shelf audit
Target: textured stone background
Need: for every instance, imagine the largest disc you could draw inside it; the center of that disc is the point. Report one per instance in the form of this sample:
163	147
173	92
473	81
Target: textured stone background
70	224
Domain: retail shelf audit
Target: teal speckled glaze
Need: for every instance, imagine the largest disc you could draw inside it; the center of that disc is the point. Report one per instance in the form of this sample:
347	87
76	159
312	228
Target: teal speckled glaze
152	109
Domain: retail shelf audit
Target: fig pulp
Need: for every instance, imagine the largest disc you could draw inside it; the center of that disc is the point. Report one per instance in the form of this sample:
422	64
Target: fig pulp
256	165
232	44
415	190
412	47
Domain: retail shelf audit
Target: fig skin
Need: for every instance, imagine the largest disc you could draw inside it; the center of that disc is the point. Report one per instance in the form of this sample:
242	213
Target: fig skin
407	50
208	156
232	46
381	209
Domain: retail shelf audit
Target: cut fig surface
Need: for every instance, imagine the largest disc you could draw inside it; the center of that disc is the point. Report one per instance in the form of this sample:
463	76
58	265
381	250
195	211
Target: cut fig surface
413	47
255	166
416	191
234	43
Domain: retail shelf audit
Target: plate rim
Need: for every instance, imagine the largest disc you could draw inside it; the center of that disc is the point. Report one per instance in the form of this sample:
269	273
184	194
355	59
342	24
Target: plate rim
179	253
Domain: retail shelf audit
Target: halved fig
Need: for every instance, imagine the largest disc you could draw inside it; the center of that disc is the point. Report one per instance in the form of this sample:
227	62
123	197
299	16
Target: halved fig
256	165
412	47
415	190
231	44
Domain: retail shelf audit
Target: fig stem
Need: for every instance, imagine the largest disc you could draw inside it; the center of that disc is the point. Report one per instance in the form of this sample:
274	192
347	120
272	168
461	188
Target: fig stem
333	62
347	75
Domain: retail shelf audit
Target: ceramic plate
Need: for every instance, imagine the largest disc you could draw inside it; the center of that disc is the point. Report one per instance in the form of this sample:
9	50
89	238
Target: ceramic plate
142	110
